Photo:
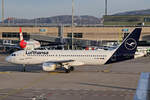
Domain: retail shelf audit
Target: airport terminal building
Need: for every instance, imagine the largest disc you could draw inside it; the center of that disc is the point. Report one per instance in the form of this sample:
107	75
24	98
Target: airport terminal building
50	33
127	20
80	32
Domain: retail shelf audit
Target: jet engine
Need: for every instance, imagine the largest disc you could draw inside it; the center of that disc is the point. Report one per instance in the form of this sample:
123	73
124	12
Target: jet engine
49	66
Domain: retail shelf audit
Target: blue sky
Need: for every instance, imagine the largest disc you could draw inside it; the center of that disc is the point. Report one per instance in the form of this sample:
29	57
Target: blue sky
45	8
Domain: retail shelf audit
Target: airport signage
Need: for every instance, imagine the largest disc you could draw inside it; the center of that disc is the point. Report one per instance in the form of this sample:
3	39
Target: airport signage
43	30
125	30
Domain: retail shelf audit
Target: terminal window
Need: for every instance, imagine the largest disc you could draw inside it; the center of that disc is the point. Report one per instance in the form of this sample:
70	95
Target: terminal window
14	35
76	35
146	19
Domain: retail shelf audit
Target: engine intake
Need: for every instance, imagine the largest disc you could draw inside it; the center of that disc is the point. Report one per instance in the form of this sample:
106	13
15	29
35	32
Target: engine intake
49	66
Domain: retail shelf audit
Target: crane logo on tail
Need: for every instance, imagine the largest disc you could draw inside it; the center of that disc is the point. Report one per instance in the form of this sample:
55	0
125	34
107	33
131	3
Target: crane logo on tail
130	44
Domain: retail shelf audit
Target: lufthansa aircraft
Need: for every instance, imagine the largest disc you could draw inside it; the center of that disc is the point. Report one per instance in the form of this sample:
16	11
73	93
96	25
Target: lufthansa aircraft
65	59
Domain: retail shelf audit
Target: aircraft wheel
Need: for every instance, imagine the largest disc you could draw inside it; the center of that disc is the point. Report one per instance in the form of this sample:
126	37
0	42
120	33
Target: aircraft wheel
67	70
71	68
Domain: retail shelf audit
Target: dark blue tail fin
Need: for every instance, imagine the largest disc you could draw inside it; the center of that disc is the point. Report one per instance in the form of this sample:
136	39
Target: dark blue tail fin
127	49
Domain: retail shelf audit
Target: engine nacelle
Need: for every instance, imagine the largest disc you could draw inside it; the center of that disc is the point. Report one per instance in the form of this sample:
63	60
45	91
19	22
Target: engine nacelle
49	66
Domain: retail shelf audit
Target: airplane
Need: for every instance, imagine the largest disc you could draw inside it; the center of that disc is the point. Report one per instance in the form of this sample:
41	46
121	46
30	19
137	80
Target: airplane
28	45
53	60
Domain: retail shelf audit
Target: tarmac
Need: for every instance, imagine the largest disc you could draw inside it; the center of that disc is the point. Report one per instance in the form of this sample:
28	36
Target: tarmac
116	81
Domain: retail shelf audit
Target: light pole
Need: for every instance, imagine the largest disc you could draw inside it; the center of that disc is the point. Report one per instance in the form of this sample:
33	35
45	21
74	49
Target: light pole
72	27
106	7
2	11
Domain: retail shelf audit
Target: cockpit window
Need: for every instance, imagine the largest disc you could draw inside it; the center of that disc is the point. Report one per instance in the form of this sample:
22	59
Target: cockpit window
13	55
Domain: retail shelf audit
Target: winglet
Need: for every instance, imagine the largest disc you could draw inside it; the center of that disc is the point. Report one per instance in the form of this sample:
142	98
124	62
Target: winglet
21	34
20	29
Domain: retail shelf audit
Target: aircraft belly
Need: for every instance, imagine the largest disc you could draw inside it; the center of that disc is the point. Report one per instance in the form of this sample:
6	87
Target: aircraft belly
30	60
92	61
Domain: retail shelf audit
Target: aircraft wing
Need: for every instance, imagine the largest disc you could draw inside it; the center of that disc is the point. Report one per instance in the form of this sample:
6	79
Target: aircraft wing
53	65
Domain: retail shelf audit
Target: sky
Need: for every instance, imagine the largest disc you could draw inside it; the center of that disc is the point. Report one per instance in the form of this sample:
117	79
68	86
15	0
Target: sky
45	8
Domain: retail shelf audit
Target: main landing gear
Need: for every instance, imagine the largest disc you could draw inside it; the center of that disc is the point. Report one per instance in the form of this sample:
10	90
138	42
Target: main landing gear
69	69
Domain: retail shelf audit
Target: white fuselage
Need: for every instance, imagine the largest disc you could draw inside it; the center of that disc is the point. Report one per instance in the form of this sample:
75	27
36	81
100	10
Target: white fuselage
79	57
